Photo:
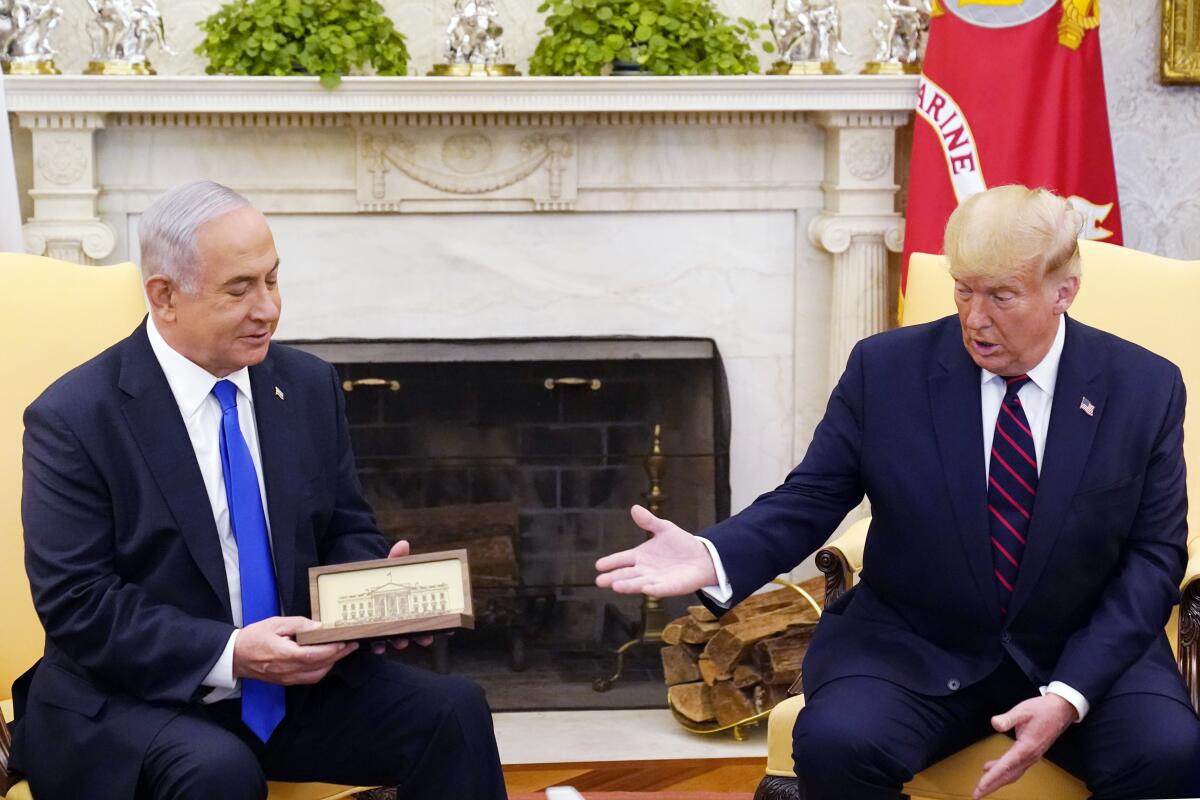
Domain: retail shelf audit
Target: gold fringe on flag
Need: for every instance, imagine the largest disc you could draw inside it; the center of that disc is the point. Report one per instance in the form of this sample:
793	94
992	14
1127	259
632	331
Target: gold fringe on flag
1078	17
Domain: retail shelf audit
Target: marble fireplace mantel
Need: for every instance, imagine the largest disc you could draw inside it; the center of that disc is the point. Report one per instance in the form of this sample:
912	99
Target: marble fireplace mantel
521	207
301	95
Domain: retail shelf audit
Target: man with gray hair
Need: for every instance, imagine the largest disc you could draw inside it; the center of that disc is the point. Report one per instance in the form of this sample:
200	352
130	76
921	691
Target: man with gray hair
177	489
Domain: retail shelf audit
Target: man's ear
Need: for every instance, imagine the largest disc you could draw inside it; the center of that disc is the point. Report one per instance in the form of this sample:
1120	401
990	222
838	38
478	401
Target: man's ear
1067	289
160	291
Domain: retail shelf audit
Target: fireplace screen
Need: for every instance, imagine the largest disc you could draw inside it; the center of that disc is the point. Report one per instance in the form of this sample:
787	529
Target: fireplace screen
529	455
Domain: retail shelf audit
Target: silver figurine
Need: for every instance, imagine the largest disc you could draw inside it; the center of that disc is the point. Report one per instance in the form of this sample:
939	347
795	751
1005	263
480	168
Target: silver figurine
899	36
122	32
25	28
473	41
807	33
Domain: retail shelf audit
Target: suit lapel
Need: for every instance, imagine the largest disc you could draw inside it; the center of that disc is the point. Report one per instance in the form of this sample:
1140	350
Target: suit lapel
954	396
276	429
155	423
1068	443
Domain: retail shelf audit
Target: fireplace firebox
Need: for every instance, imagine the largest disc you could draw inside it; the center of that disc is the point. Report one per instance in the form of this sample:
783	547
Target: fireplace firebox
529	454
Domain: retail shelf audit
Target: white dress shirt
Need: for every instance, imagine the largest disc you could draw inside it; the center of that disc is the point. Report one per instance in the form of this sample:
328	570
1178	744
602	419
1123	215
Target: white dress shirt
1036	397
192	387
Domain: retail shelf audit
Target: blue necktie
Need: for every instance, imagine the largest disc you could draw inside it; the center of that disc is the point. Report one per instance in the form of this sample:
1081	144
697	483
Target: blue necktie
262	703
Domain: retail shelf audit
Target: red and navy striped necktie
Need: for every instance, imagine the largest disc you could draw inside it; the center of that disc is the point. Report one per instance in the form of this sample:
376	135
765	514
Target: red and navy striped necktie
1012	487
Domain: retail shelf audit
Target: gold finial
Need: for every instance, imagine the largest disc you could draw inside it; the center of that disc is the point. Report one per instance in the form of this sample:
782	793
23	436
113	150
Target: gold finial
656	470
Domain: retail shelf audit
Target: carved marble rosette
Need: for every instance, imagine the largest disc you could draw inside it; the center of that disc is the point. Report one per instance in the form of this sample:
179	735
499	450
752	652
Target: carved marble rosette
473	47
25	27
807	33
899	37
122	31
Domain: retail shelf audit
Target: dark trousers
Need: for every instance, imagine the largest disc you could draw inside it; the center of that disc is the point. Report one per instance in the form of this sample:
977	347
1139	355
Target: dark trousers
864	737
429	734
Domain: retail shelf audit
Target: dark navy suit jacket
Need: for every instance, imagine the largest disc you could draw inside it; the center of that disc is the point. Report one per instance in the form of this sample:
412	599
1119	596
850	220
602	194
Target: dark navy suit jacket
1106	544
125	563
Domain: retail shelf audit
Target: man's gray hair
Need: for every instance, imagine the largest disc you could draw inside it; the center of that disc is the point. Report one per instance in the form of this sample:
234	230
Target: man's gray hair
167	229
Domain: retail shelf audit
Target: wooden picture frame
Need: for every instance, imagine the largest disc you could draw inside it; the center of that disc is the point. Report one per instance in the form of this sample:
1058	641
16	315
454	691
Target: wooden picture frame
1180	56
388	597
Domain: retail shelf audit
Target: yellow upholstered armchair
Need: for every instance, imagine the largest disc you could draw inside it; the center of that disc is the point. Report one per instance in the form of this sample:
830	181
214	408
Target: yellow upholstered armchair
54	316
1143	298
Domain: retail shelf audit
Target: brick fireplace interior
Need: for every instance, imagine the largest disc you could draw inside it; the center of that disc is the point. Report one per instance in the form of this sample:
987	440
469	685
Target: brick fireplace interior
529	454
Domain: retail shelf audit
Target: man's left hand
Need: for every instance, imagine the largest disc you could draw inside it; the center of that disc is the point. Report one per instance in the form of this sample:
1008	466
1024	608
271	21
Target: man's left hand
399	550
1037	722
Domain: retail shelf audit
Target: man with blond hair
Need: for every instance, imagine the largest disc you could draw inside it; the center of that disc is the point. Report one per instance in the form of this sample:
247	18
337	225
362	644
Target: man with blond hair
1026	480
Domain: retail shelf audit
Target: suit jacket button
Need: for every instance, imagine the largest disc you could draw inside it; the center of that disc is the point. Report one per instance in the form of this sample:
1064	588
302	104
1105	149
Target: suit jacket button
953	684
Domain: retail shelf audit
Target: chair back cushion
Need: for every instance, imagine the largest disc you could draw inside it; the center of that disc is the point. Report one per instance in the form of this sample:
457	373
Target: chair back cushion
53	316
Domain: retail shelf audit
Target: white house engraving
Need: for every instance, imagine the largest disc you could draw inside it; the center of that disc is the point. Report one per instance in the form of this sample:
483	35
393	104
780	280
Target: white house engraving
392	601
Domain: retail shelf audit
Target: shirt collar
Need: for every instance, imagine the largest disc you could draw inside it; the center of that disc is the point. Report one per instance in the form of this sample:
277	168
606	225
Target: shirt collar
190	383
1045	374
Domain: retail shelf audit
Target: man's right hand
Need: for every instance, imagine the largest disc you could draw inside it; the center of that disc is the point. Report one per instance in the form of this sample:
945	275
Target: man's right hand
671	562
265	651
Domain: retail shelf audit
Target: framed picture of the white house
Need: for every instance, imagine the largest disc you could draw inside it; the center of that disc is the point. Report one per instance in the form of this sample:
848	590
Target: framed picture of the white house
389	597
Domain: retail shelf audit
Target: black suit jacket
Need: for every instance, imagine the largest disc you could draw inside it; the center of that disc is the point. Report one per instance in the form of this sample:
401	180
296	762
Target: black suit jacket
124	559
1106	544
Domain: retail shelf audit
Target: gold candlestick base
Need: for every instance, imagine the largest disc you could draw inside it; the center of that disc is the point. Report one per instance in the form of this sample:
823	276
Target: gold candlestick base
43	66
119	68
474	71
890	68
804	68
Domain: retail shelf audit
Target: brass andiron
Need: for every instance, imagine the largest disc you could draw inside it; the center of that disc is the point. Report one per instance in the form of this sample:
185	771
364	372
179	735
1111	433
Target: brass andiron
648	632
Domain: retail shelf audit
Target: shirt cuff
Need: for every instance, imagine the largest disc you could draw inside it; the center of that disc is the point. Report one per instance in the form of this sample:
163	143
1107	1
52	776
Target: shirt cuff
722	592
1070	695
221	674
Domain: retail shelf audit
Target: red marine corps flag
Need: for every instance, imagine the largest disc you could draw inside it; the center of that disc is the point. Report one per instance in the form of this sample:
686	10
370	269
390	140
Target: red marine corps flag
1012	91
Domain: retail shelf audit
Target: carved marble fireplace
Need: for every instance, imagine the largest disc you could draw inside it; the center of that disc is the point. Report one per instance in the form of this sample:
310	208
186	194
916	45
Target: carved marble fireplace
758	212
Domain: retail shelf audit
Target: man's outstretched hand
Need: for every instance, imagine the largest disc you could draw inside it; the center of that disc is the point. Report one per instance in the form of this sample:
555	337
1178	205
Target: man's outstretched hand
671	562
1037	722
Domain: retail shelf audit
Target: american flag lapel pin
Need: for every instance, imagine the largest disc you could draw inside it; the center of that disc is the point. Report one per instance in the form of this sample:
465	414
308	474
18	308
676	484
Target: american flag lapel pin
1085	406
279	394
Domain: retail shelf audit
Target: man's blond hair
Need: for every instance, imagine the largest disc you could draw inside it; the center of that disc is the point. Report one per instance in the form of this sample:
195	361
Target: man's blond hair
1010	229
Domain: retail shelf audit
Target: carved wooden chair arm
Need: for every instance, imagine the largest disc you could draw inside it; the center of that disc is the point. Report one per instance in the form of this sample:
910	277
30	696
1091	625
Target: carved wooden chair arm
6	780
1188	652
841	559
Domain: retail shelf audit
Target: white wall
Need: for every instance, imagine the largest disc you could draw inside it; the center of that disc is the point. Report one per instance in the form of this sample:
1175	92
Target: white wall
1156	134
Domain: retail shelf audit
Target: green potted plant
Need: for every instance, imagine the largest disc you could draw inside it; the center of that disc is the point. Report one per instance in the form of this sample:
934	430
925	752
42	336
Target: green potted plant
660	37
329	38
